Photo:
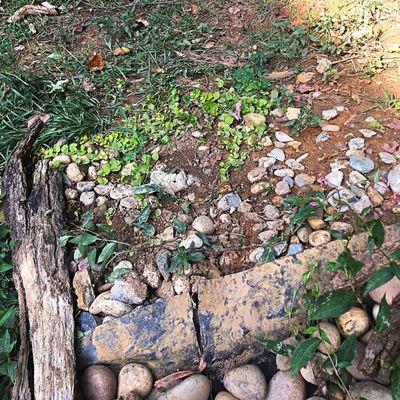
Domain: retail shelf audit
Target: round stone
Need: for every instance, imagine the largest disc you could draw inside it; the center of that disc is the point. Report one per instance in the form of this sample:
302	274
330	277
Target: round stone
319	238
354	321
196	387
74	173
246	383
204	224
370	391
283	387
363	165
271	213
316	223
304	234
256	174
98	382
333	335
135	378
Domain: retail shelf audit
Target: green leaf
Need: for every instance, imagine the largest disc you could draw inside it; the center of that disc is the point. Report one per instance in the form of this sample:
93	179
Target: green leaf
347	263
395	254
278	347
87	222
303	354
106	253
147	189
395	268
347	351
77	255
377	231
383	318
395	380
64	240
144	215
149	229
377	279
179	226
196	257
91	256
85	239
333	304
268	254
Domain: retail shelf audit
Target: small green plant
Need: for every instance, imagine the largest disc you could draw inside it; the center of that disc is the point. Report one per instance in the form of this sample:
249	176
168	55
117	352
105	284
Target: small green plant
332	304
95	243
8	314
183	258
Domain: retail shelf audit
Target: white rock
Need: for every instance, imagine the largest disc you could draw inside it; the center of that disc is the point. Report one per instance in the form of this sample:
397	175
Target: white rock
103	303
172	183
293	113
369	391
256	254
356	143
196	387
391	289
120	191
282	188
329	114
284	172
181	284
256	174
323	64
283	137
266	162
191	240
62	159
87	198
302	180
74	173
319	238
356	177
271	213
394	179
278	154
71	194
135	378
203	224
367	133
361	204
387	158
335	178
229	202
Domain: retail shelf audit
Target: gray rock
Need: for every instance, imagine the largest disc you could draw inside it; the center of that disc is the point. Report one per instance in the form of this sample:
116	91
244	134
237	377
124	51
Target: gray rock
86	321
266	162
256	174
246	383
387	158
280	248
256	254
282	188
271	213
335	178
283	387
342	227
229	202
283	137
162	262
87	198
85	186
284	172
356	178
362	164
278	154
129	202
92	173
62	159
361	204
129	289
120	191
356	143
367	133
170	182
295	248
329	114
369	391
103	190
394	179
302	180
196	387
74	173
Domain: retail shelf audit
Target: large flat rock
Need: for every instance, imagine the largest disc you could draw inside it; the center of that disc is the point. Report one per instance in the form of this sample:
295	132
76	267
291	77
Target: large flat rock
236	310
161	336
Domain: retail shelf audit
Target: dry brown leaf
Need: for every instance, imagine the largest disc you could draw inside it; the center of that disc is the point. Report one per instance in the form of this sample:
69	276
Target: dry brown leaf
209	44
31	9
194	9
119	51
96	62
280	75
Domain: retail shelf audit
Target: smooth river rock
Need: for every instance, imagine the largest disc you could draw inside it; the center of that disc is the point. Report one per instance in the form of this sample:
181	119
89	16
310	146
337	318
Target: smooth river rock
225	396
98	382
196	387
369	391
135	378
246	382
354	321
283	387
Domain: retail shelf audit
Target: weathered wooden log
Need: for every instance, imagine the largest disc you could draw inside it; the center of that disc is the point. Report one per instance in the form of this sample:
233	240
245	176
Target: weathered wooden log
34	212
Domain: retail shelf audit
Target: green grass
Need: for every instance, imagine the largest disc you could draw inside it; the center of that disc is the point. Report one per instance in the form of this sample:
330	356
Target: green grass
169	49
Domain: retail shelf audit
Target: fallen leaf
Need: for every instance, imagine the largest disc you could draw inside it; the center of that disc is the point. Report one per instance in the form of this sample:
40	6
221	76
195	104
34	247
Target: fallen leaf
194	9
209	44
350	119
233	10
157	70
297	22
277	75
143	22
169	380
96	62
119	51
238	110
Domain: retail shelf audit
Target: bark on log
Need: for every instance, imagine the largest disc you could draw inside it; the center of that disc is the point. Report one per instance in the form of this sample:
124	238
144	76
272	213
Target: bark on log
34	211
